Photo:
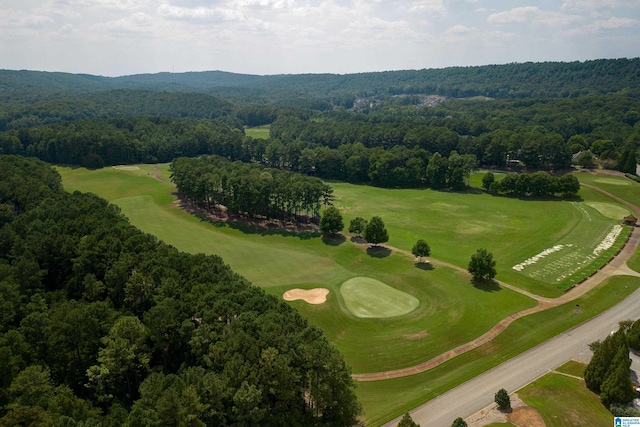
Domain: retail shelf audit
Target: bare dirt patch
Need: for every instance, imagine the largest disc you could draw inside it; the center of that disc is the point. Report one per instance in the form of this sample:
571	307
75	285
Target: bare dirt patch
311	296
526	417
521	415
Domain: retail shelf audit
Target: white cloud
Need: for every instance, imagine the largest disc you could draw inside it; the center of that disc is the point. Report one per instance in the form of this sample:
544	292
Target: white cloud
270	4
532	14
200	14
435	7
581	5
109	4
613	23
459	29
18	19
138	22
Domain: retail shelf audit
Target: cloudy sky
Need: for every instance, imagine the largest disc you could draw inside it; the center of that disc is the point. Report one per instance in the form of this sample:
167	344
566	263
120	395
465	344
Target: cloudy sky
119	37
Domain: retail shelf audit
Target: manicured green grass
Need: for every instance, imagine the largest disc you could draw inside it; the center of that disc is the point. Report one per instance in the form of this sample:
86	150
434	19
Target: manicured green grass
564	401
573	368
456	224
385	400
609	210
620	186
258	132
370	298
451	310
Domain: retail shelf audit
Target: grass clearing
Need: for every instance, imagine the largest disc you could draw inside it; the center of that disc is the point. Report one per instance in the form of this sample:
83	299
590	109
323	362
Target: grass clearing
564	401
258	132
370	298
451	312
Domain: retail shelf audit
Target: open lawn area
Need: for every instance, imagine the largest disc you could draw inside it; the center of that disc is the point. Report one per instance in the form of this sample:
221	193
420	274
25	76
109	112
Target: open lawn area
565	401
516	231
396	332
258	132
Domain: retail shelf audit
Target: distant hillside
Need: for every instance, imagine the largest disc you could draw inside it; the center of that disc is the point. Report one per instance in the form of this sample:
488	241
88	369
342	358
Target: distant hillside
527	80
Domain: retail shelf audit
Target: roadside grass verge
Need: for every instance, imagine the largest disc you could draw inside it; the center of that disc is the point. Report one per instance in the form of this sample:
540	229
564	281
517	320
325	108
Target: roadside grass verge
572	368
564	401
388	399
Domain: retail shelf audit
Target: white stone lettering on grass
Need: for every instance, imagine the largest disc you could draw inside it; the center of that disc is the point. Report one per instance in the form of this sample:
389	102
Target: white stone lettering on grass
538	257
609	240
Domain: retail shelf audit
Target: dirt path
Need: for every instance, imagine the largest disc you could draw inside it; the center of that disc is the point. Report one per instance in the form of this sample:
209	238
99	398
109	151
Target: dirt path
617	266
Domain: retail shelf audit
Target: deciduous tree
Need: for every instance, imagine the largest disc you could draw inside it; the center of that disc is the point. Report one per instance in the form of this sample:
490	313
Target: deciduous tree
421	249
482	266
357	225
331	221
375	232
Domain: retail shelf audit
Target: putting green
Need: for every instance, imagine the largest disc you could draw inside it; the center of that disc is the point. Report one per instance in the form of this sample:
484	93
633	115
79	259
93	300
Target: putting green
609	210
369	298
613	181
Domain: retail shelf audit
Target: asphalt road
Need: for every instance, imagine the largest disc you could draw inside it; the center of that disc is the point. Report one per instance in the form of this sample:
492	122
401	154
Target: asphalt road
478	393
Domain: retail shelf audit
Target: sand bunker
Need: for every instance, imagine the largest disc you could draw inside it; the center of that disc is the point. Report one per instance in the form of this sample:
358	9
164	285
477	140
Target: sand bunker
126	168
312	296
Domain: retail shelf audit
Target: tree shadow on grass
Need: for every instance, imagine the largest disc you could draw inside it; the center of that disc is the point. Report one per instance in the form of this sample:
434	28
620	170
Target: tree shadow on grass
333	239
487	285
264	229
426	266
358	239
378	251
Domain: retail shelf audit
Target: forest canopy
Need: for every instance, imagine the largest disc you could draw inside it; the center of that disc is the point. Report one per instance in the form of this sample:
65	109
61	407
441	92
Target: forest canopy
101	324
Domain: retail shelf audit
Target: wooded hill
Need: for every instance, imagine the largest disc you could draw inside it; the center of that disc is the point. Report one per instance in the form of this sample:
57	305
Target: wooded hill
527	80
103	325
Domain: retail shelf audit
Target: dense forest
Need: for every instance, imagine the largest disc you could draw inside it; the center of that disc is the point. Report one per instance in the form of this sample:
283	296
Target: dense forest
376	128
528	80
102	325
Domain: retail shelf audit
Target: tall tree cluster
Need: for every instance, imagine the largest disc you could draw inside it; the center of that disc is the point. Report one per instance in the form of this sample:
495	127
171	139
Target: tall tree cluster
539	184
249	189
101	324
608	371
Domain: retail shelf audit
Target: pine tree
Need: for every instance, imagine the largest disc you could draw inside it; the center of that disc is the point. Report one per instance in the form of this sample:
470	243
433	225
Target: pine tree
503	400
407	421
617	386
459	422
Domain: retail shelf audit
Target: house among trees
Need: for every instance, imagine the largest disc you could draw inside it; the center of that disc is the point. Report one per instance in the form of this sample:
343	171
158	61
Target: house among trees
630	220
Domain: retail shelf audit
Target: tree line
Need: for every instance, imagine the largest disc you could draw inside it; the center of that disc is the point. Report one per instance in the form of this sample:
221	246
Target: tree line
250	189
516	80
608	372
103	325
539	184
